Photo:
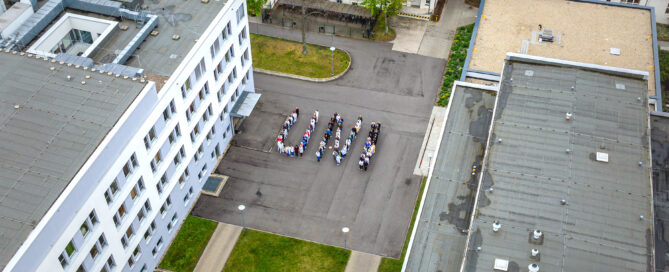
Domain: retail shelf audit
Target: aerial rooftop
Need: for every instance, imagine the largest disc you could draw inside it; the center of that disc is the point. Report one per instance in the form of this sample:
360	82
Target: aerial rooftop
584	32
438	241
49	126
568	156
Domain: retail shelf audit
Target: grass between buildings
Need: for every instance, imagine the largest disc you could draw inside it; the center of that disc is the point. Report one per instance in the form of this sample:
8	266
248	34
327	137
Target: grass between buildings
456	61
188	245
664	76
285	56
393	265
662	32
262	251
380	30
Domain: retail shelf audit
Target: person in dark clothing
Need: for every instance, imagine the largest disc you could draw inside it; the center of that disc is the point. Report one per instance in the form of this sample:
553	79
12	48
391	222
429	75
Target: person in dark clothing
296	150
297	111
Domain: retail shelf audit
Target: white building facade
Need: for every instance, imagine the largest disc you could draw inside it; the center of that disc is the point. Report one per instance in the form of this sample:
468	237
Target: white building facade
127	202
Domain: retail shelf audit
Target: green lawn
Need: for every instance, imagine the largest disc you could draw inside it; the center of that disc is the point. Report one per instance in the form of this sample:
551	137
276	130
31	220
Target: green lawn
189	244
286	56
393	265
262	251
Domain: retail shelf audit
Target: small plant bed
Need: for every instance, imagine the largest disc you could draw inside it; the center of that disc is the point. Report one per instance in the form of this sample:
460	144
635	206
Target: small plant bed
664	77
662	32
285	56
380	30
188	245
394	265
266	252
456	61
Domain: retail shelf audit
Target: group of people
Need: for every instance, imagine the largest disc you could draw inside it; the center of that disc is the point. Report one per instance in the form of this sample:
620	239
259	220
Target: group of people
340	154
369	147
335	124
296	150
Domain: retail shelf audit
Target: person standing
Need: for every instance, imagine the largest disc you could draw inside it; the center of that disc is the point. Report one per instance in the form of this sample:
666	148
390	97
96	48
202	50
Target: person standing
279	146
343	151
297	112
338	158
316	115
318	155
301	149
366	163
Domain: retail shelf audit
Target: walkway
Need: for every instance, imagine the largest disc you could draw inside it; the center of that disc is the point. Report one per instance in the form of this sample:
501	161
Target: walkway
219	248
432	38
362	262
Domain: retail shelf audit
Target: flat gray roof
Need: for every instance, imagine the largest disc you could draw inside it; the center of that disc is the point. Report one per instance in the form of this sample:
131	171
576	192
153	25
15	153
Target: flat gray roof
531	171
659	127
161	54
440	235
44	143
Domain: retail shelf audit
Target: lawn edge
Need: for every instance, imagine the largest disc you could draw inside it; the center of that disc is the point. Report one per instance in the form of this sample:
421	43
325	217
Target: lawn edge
306	78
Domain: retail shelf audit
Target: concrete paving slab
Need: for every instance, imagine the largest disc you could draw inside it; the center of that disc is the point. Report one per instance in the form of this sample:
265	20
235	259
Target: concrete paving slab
362	262
409	34
219	248
430	141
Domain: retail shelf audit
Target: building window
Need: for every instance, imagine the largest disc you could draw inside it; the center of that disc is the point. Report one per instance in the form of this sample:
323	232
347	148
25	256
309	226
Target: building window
666	11
169	111
199	70
109	265
63	260
130	166
137	189
630	1
110	193
172	222
185	88
241	11
149	231
188	195
70	249
81	268
159	244
120	214
203	171
148	139
166	205
215	48
161	183
175	134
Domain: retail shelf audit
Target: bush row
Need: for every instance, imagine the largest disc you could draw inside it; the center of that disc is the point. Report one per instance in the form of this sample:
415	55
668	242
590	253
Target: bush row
456	61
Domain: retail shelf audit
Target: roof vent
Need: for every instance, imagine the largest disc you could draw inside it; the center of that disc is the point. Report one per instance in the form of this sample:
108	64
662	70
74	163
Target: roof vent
536	235
501	265
69	77
496	226
534	253
546	36
602	157
176	37
17	106
568	116
615	51
620	86
529	72
154	33
533	268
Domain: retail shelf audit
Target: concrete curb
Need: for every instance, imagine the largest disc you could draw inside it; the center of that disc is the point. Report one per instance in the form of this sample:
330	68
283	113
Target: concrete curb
310	79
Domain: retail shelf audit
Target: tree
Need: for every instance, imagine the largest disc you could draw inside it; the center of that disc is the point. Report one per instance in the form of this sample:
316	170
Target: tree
255	6
386	7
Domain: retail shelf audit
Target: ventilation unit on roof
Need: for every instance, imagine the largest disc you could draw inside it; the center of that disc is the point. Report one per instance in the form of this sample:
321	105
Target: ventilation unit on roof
496	226
534	253
501	265
602	157
536	235
546	36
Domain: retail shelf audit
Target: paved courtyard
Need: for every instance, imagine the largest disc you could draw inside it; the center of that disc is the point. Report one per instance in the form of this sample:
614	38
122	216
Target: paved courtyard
302	198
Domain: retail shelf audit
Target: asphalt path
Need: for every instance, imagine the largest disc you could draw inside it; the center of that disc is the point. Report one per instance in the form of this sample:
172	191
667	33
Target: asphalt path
302	198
